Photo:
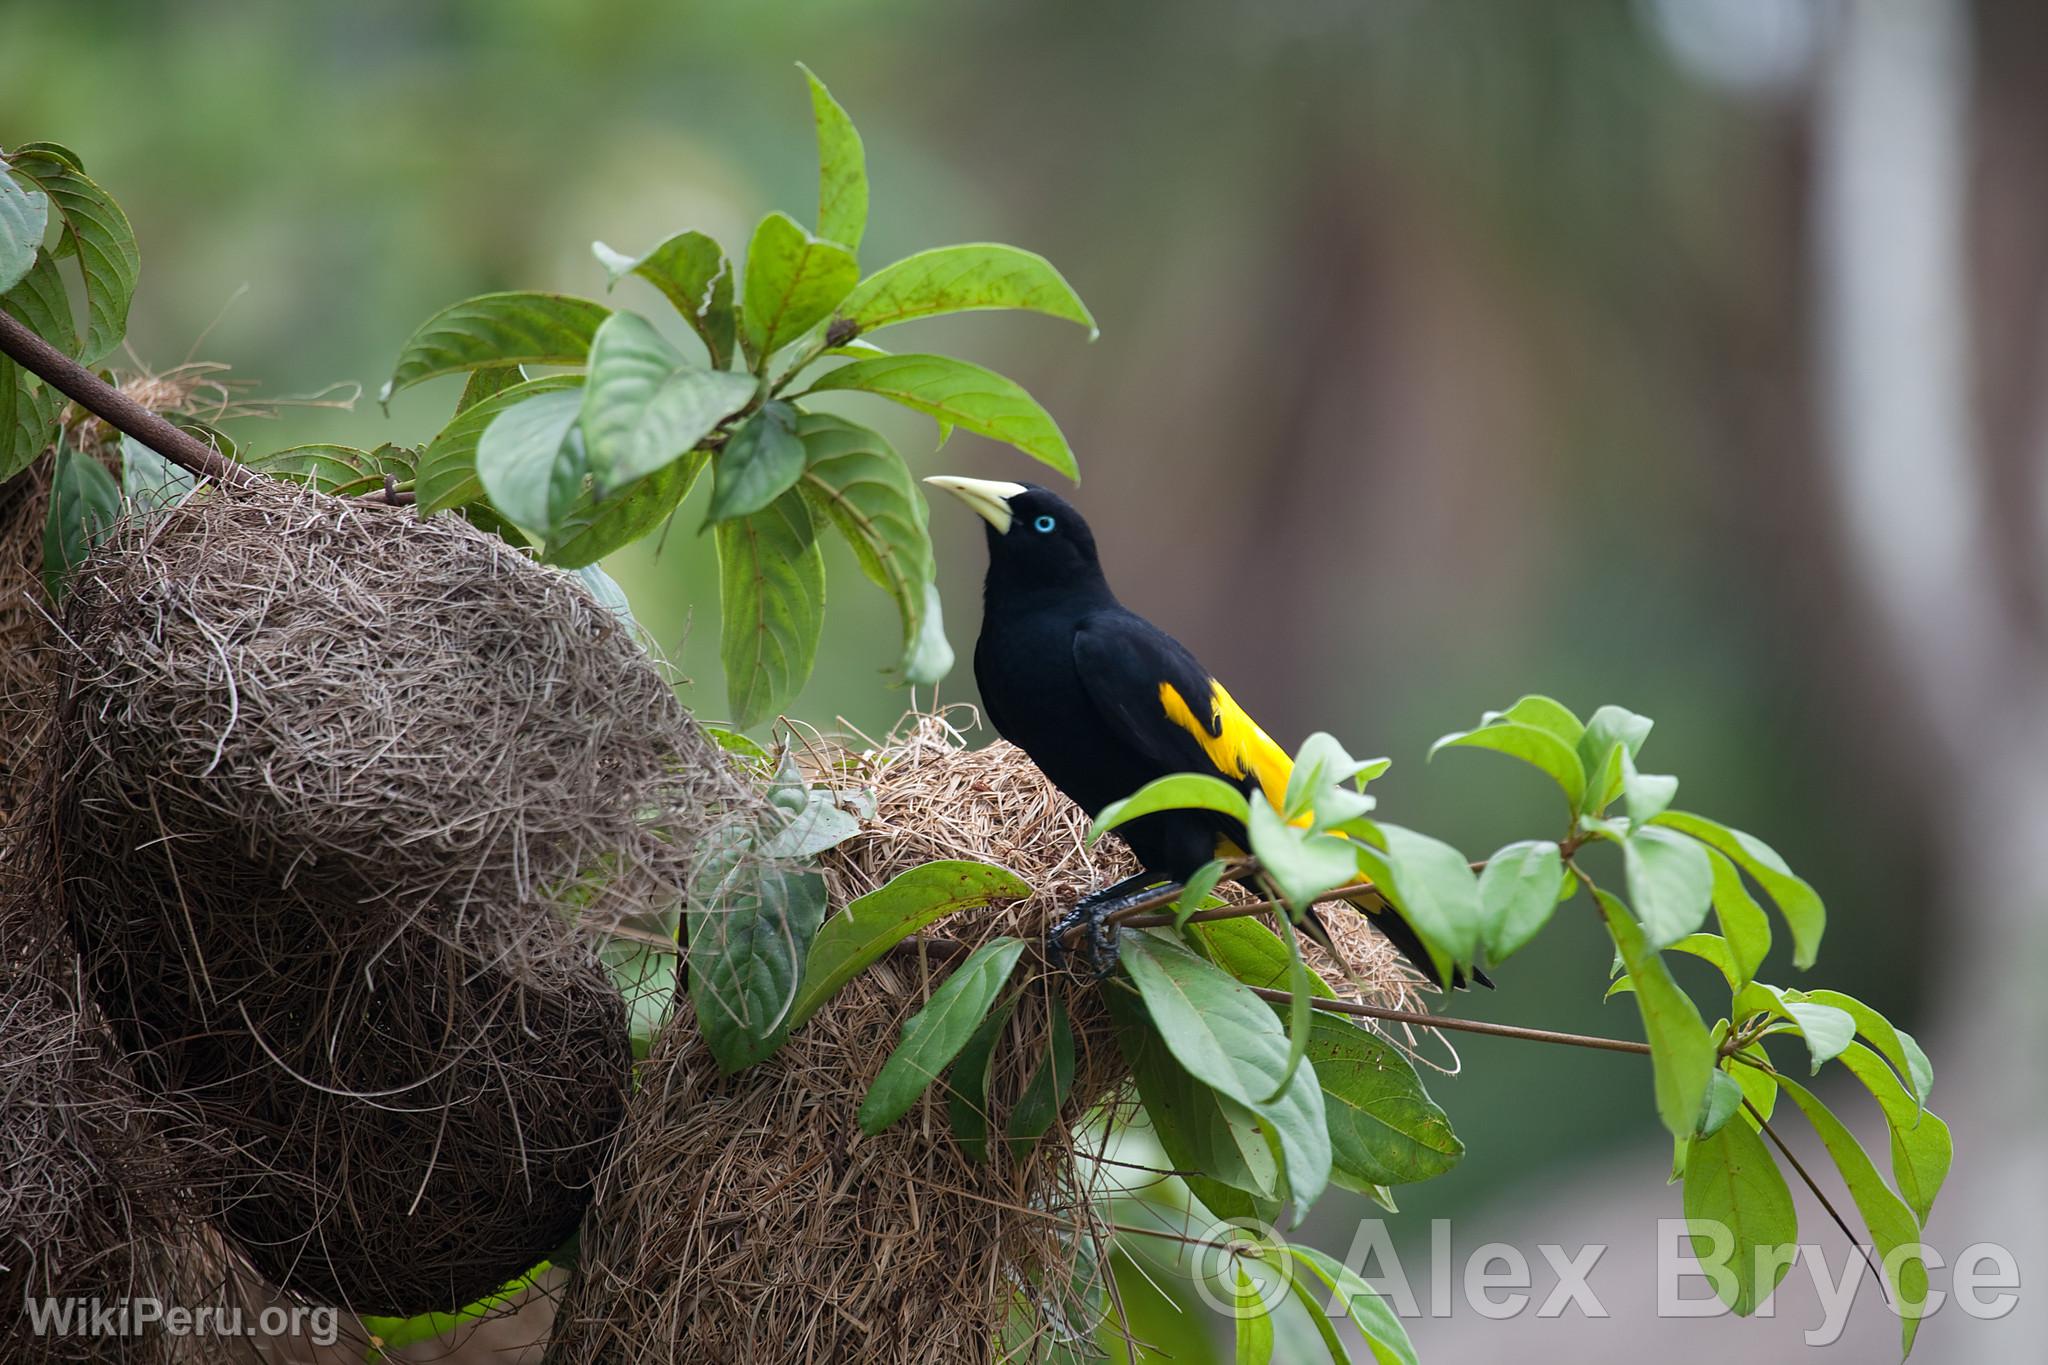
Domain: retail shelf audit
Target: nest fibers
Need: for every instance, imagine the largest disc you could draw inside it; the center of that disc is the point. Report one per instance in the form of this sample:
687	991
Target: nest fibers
331	784
746	1218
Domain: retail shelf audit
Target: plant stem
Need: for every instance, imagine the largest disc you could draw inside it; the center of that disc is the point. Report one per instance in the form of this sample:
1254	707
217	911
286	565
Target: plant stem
1451	1023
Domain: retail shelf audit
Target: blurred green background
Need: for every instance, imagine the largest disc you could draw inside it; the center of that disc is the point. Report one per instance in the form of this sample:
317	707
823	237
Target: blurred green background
1449	351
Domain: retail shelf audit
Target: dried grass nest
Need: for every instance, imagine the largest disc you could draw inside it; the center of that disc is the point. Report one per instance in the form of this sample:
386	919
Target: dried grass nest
330	785
746	1218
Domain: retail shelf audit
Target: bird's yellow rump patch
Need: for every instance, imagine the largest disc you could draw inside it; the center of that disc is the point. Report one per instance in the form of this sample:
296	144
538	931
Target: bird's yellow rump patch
1232	740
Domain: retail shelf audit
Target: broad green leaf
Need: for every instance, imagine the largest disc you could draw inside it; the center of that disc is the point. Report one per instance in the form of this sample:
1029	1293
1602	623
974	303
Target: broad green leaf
344	471
1711	948
1743	922
959	279
1321	765
1048	1088
1197	889
1796	901
1179	791
961	395
94	229
1670	884
646	977
645	404
609	595
1384	1128
24	218
1227	1038
693	274
1681	1051
934	1036
1518	893
842	169
1922	1149
1543	713
1369	1313
1251	952
967	1083
601	523
482	383
447	477
1433	887
1889	1218
1724	1099
793	282
1894	1045
1305	1295
866	491
1644	795
856	937
1826	1029
1300	1009
751	925
771	589
821	824
393	1334
85	502
761	461
40	302
530	459
1759	1084
30	408
1303	866
1254	1339
1612	729
148	480
1731	1180
1538	747
498	329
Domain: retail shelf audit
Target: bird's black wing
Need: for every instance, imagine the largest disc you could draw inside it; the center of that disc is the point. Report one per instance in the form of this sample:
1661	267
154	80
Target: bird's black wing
1124	662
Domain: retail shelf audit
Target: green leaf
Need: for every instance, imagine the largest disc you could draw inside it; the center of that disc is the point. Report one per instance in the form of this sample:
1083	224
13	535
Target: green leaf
934	1036
867	492
601	523
1321	766
693	274
1612	728
1796	901
498	329
29	410
1538	747
820	825
1826	1029
1179	791
530	459
85	502
24	218
1369	1313
391	1334
1298	1285
646	978
842	169
771	588
1048	1088
1681	1052
482	383
1644	795
645	404
762	461
1670	883
962	395
148	480
447	476
1251	952
856	937
1922	1149
1303	866
92	227
1227	1038
41	303
1384	1128
344	471
1518	893
1724	1099
959	279
967	1084
1889	1218
1433	887
1254	1342
1300	1011
1545	714
1196	891
751	925
1759	1084
1743	922
1731	1180
793	282
1895	1045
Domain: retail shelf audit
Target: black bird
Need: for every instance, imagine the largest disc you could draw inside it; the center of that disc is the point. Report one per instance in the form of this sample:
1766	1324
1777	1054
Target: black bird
1104	701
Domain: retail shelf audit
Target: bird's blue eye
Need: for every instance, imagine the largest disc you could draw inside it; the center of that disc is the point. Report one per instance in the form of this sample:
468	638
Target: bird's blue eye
1042	525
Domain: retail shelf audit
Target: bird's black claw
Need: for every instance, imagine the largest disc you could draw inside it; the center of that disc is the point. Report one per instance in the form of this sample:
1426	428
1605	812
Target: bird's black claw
1096	956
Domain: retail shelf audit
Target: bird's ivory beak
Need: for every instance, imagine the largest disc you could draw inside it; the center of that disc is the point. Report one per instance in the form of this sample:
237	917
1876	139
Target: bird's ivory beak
988	497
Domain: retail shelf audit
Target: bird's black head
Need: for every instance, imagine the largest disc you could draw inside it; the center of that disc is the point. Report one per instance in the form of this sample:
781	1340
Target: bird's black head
1036	540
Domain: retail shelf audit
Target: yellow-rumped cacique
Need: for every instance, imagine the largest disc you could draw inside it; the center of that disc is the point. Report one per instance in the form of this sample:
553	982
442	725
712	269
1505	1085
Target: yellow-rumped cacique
1103	701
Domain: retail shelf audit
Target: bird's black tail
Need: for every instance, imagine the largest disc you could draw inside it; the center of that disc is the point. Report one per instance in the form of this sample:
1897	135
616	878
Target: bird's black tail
1402	935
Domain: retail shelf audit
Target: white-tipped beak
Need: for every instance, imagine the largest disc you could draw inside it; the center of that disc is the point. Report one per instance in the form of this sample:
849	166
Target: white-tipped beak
989	497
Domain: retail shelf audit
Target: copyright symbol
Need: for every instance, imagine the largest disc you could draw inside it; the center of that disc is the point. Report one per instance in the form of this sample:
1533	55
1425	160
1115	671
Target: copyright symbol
1229	1247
